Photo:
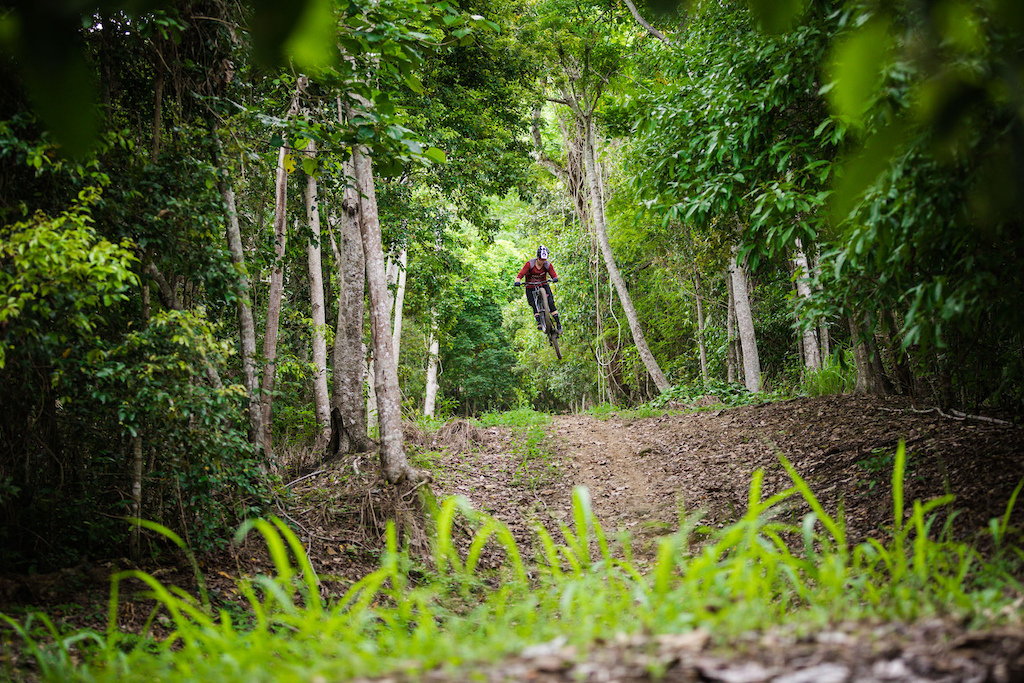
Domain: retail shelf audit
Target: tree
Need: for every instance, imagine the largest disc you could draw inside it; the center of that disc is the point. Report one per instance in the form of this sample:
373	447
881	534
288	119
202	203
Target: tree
321	399
585	62
275	294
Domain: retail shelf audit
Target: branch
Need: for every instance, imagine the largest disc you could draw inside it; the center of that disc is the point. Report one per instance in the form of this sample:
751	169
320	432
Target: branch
168	297
643	22
556	169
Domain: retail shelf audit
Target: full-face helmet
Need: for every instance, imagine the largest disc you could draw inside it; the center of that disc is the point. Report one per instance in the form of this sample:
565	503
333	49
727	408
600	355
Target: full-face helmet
542	252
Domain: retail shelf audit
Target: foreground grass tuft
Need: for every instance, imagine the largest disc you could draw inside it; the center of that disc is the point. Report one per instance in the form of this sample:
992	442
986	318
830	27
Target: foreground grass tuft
753	574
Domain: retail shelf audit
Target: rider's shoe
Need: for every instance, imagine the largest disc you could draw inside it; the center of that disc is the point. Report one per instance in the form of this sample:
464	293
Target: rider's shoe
540	325
558	324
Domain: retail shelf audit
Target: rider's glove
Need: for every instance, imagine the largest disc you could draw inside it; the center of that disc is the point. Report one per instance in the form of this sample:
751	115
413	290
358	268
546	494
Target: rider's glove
517	283
554	279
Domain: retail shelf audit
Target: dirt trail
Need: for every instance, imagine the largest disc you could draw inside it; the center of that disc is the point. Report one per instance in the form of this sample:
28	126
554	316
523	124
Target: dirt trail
628	491
641	473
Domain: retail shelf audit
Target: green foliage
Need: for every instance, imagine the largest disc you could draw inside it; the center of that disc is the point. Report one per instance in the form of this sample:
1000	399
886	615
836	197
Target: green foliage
730	395
517	419
476	358
56	276
193	433
758	572
837	375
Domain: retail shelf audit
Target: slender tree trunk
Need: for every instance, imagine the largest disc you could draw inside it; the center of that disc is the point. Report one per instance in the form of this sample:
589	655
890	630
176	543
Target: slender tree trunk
745	325
349	356
135	537
396	338
372	421
600	228
276	292
823	331
389	401
246	326
321	399
812	354
732	365
434	346
158	108
701	346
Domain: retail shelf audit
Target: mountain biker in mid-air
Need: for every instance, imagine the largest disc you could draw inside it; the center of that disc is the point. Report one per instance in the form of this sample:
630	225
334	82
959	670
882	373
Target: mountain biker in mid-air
537	272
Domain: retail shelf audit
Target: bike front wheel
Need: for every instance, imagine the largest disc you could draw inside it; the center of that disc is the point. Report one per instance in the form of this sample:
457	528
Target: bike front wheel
551	329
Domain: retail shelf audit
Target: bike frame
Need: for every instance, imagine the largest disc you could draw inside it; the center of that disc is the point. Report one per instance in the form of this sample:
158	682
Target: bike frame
544	309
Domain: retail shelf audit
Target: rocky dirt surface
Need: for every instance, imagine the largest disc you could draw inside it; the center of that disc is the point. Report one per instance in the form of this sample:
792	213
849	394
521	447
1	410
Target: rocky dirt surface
642	474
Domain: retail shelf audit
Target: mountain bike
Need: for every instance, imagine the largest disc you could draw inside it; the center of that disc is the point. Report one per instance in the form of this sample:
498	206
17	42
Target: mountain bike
550	329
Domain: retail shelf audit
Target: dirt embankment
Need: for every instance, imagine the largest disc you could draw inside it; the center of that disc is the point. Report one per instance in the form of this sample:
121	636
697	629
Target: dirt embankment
643	474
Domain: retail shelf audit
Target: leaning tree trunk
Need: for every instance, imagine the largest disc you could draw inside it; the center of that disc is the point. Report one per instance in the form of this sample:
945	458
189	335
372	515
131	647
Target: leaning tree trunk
276	286
745	324
321	399
600	228
246	326
394	463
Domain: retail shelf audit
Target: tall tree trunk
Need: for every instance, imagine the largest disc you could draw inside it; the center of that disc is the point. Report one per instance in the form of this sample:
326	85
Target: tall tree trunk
809	337
701	346
732	360
434	346
321	399
276	285
349	358
246	326
396	336
135	536
868	379
389	401
158	108
600	228
745	324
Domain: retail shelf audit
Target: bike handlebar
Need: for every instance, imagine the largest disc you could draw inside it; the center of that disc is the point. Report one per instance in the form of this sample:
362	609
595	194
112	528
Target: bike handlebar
533	284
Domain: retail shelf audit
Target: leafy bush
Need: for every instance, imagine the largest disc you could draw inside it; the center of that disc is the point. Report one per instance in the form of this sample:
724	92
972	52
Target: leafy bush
730	394
838	375
520	417
205	477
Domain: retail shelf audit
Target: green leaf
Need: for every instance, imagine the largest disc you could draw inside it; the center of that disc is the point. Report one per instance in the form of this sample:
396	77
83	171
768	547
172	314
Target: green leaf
435	155
414	83
777	16
856	68
310	165
312	44
861	170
